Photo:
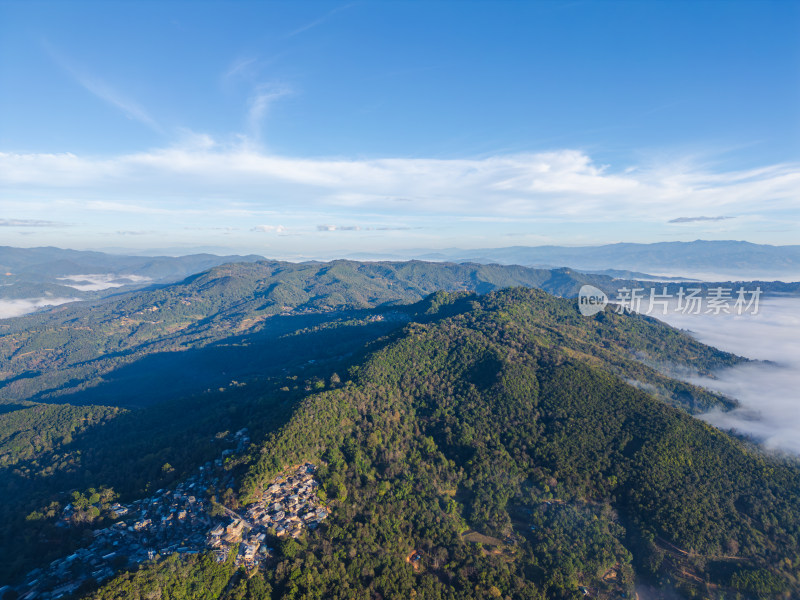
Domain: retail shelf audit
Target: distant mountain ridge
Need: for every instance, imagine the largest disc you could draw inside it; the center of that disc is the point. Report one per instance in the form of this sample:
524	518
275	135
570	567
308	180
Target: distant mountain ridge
737	259
62	273
51	275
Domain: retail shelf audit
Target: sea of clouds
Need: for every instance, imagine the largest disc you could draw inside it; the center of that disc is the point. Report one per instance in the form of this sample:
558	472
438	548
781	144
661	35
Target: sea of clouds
768	392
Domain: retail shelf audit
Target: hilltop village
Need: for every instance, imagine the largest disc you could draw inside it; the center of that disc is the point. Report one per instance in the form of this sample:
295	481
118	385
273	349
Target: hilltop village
287	507
184	520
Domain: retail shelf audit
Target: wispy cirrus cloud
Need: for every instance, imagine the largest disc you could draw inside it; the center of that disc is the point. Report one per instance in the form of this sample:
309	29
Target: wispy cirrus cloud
239	67
30	223
259	104
363	228
319	21
128	106
697	219
100	88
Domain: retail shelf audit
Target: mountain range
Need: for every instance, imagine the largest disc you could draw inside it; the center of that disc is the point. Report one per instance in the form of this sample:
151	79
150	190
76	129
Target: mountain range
466	414
727	259
34	277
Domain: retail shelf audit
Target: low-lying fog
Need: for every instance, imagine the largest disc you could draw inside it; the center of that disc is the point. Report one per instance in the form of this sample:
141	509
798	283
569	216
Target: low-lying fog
22	306
786	276
90	282
93	282
769	394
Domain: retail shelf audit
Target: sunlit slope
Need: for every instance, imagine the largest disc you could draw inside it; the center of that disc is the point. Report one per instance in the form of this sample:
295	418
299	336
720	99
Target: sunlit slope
489	421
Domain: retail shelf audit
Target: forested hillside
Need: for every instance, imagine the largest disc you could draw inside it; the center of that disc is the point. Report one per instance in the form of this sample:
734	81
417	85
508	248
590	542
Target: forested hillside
52	355
481	451
49	355
260	375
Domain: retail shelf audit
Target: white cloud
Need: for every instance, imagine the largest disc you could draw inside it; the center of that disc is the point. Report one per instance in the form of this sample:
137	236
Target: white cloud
269	228
202	176
364	228
550	197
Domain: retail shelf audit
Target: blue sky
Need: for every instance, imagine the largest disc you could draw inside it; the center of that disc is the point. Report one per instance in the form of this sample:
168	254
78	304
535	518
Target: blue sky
320	128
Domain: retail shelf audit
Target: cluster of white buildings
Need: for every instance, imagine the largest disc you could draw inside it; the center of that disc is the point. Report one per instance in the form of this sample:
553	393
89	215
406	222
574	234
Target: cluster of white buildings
290	504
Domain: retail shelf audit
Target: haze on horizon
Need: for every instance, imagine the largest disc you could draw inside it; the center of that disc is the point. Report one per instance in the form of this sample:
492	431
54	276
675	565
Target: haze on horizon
313	128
